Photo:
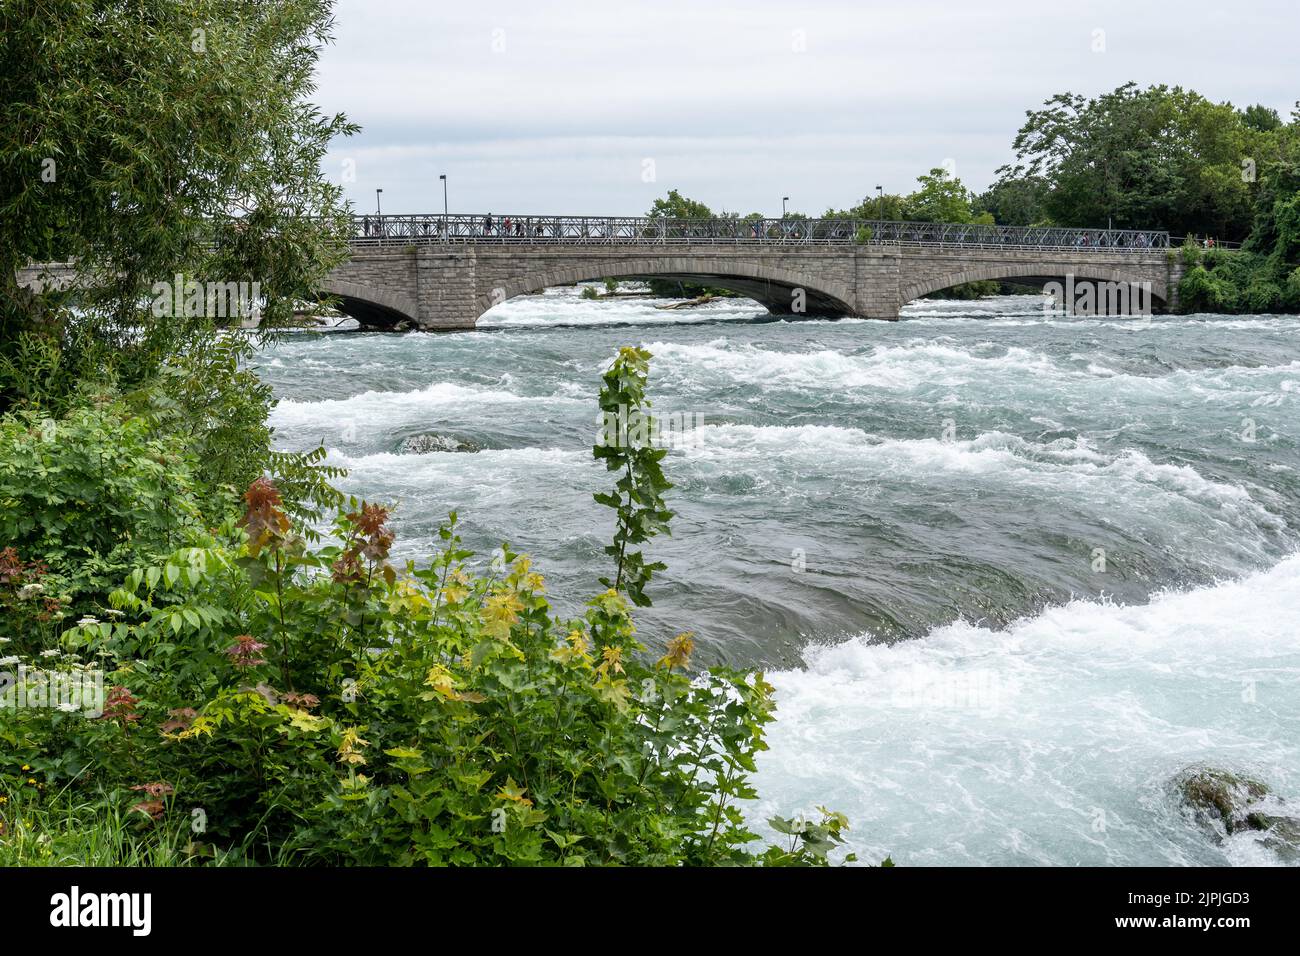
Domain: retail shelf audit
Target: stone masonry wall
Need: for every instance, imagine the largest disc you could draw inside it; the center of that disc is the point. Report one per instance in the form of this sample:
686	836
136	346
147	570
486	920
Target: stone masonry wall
448	286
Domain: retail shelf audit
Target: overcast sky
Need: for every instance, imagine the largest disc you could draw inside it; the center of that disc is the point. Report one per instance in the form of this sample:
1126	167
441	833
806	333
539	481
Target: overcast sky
599	106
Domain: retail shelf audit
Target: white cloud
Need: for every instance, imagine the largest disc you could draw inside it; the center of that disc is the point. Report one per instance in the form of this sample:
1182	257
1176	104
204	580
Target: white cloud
548	107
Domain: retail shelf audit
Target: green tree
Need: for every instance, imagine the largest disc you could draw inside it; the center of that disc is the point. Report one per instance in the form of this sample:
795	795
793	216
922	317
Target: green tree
677	206
941	198
889	208
1015	202
1158	157
1261	118
146	139
1276	228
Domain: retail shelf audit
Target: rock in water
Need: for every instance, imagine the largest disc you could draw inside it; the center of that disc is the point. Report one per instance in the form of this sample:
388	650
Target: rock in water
1281	834
431	442
1218	796
1230	803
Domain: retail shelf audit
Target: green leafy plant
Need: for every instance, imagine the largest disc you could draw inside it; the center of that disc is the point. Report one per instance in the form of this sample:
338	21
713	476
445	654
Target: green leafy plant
627	446
90	495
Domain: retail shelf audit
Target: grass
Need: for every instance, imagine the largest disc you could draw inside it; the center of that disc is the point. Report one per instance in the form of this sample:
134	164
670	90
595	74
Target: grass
65	829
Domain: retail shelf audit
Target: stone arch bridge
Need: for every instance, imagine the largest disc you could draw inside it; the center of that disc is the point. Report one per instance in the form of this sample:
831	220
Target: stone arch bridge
440	272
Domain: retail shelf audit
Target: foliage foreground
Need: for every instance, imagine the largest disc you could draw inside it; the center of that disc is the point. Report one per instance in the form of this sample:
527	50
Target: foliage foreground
270	700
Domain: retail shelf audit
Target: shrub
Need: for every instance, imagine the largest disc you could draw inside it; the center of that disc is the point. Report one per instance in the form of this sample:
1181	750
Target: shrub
1291	294
968	290
115	481
1199	291
1262	295
1229	281
85	498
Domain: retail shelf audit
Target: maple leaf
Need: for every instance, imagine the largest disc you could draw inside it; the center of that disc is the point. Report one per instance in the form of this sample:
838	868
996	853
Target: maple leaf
500	611
514	793
679	652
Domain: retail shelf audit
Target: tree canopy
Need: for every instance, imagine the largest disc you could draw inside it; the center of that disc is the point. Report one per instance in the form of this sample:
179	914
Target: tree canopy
146	138
1155	158
677	206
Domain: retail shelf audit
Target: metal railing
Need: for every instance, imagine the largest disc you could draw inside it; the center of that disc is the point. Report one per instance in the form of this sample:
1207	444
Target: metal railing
623	230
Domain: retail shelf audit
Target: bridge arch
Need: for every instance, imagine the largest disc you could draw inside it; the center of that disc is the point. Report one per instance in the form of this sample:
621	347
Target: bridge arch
770	285
1030	273
370	306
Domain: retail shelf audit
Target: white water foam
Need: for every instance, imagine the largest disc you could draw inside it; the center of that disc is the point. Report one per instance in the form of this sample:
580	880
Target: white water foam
355	417
899	367
982	372
1053	741
565	306
1065	475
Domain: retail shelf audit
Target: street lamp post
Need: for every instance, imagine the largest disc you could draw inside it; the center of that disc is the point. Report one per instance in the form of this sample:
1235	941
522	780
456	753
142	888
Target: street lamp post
443	177
880	208
784	200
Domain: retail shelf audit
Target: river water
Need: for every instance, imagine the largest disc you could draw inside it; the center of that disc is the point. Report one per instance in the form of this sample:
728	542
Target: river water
1009	570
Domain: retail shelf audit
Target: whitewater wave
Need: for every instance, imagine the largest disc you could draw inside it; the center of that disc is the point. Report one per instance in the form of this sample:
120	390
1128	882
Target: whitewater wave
985	370
897	367
1069	471
566	307
487	459
439	393
1052	741
373	416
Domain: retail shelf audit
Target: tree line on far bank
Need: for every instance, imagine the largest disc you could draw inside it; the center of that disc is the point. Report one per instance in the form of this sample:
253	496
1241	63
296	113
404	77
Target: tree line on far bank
1155	158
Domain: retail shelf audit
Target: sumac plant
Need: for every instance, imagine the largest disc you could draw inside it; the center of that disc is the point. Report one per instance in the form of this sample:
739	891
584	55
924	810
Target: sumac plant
271	700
